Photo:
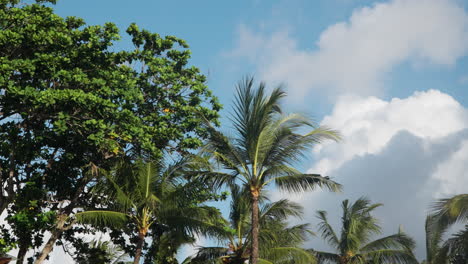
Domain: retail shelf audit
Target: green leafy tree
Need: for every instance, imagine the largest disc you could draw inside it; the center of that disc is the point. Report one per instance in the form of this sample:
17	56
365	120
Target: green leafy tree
355	245
27	220
70	104
279	243
151	198
7	242
265	146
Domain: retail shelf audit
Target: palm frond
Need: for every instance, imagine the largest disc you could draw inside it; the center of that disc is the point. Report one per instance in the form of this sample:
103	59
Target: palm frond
326	230
102	218
207	255
449	211
396	241
306	182
325	257
289	255
391	256
454	248
147	174
280	210
433	238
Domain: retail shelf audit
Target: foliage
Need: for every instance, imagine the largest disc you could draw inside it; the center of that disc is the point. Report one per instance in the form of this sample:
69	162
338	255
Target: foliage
265	147
279	242
70	103
355	245
147	195
7	242
101	252
447	212
27	219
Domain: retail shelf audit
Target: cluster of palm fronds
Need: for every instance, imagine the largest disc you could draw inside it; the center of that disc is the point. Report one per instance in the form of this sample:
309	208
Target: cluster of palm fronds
157	201
446	213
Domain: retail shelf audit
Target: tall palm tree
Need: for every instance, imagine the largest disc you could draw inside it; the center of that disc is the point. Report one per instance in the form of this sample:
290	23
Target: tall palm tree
445	213
355	245
265	147
150	197
279	243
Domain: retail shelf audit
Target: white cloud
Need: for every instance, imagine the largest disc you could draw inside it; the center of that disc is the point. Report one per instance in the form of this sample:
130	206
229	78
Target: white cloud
354	56
452	174
368	124
404	153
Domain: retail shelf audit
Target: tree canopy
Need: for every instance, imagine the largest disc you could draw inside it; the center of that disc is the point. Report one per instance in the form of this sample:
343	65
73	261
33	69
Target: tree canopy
71	105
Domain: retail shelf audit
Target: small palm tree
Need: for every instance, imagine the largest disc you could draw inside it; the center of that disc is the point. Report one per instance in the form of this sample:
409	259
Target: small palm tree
102	252
447	212
264	149
149	197
279	243
355	244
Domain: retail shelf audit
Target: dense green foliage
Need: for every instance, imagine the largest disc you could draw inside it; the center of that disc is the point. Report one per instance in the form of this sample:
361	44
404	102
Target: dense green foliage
148	196
70	106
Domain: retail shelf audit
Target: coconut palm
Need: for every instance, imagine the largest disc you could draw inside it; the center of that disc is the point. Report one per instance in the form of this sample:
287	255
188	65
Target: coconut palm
148	195
445	213
101	252
449	211
279	243
355	245
265	146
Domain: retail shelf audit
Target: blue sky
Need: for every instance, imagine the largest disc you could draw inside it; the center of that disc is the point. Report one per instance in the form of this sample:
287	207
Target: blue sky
391	75
212	30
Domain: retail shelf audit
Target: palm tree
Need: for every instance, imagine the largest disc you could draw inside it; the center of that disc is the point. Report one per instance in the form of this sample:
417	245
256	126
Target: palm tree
150	197
355	244
264	149
445	213
279	243
101	252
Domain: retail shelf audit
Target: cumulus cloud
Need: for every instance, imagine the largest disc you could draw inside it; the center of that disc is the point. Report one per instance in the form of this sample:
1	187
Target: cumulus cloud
354	56
368	124
404	153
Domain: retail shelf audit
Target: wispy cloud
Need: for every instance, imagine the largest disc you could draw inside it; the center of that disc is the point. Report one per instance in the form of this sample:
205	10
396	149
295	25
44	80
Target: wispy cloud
355	56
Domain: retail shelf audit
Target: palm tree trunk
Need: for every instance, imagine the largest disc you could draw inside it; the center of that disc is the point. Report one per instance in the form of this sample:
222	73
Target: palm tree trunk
255	228
139	247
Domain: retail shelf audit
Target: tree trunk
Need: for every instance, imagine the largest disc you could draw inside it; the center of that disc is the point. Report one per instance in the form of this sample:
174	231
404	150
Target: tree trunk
49	246
139	247
10	190
4	202
60	226
255	228
21	254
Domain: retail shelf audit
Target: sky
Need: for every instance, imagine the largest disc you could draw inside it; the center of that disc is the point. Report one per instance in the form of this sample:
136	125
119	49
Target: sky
391	76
